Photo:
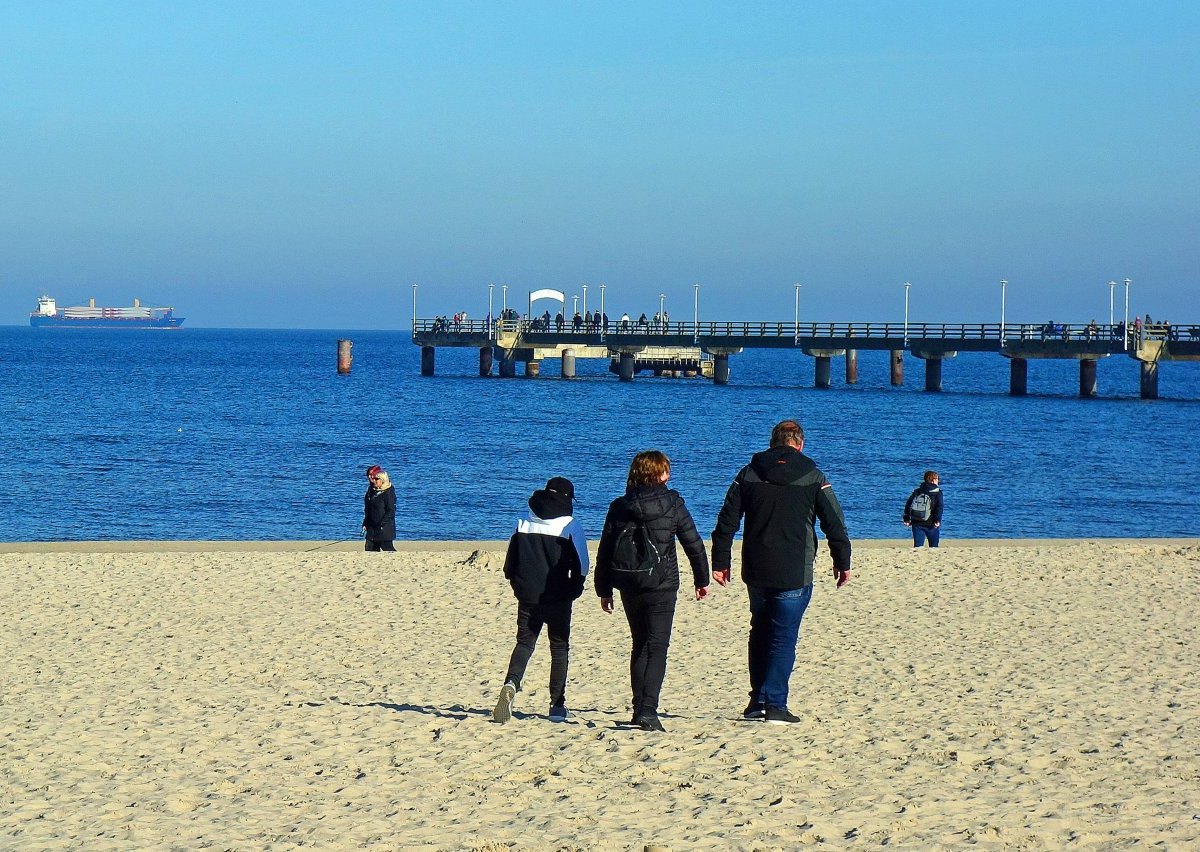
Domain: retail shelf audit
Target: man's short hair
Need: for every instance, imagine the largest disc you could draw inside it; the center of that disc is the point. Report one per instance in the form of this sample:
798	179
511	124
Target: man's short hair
931	475
789	433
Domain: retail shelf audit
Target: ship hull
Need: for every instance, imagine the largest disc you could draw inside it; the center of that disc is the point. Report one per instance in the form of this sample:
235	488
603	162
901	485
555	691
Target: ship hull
106	322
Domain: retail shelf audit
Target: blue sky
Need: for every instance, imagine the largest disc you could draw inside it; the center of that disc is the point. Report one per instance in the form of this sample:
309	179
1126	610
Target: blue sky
303	164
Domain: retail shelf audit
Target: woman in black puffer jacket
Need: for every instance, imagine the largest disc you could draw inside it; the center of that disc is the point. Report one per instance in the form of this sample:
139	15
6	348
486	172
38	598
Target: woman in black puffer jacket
649	601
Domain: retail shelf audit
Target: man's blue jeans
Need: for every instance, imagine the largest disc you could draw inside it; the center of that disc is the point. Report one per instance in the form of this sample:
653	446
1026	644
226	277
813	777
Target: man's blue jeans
774	631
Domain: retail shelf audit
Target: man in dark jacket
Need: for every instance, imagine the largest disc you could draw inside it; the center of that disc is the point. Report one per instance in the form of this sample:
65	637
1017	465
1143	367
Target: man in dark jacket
546	564
781	493
923	511
379	511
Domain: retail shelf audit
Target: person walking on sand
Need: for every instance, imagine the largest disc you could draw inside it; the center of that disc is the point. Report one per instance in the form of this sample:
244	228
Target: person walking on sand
379	511
923	511
637	556
546	564
781	493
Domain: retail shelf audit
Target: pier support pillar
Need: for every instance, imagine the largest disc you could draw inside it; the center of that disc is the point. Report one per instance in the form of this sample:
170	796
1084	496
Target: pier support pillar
1149	379
508	366
1087	377
568	363
625	367
823	370
933	374
720	369
485	361
344	357
1018	377
851	366
427	360
533	369
897	367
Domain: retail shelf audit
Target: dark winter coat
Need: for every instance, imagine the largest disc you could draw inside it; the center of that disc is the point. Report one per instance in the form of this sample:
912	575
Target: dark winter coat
935	496
782	495
379	513
666	518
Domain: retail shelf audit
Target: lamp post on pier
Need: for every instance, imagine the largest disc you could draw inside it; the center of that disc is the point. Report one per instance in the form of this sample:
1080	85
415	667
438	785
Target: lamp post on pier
1127	283
585	298
603	328
796	341
504	294
696	314
1003	293
414	307
906	286
575	304
662	319
491	319
1112	285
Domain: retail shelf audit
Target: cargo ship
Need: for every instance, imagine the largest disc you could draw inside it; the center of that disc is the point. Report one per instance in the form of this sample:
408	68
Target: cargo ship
49	315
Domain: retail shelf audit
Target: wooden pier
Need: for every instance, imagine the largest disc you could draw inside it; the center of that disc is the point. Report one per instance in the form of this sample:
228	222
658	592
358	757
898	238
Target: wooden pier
705	348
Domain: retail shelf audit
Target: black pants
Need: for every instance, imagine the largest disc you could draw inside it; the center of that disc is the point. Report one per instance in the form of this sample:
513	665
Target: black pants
376	544
650	616
557	619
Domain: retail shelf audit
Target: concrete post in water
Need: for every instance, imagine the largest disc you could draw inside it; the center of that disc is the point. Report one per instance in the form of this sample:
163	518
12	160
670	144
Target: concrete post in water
625	367
851	366
1149	379
720	369
533	369
933	374
1087	377
823	370
897	367
508	365
344	356
485	361
568	363
427	360
1018	377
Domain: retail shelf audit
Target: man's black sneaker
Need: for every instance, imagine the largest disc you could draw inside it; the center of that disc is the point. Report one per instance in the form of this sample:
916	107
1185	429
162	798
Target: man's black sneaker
754	712
781	716
651	722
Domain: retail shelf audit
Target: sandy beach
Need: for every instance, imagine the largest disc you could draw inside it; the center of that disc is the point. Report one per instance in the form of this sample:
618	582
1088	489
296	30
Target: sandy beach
1031	694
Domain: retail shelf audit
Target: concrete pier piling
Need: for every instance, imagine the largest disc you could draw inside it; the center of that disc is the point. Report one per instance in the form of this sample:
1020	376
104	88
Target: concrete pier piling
851	366
823	371
897	367
720	369
625	367
485	361
933	375
1087	377
427	360
508	366
1018	377
533	369
568	363
1149	379
344	358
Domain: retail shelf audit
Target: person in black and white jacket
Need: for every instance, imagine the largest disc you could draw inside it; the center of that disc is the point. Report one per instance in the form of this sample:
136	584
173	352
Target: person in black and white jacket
546	565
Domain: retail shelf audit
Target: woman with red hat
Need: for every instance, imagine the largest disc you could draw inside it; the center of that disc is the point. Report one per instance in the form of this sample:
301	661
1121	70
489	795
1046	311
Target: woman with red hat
379	510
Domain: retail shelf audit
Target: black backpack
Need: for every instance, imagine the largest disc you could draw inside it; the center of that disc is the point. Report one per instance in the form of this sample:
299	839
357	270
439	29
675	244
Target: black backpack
634	558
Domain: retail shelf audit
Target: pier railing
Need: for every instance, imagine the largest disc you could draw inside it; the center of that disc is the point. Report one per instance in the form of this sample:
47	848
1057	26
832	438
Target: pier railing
801	333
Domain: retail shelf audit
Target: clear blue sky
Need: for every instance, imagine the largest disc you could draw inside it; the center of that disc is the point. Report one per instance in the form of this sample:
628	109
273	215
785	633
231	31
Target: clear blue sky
303	164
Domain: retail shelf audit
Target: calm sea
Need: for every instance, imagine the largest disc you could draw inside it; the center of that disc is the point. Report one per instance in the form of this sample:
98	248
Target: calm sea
249	434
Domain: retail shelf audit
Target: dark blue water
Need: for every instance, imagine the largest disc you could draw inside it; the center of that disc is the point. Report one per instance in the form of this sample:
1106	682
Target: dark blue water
236	434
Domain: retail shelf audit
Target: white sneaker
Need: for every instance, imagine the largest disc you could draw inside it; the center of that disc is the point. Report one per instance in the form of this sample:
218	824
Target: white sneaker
502	712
